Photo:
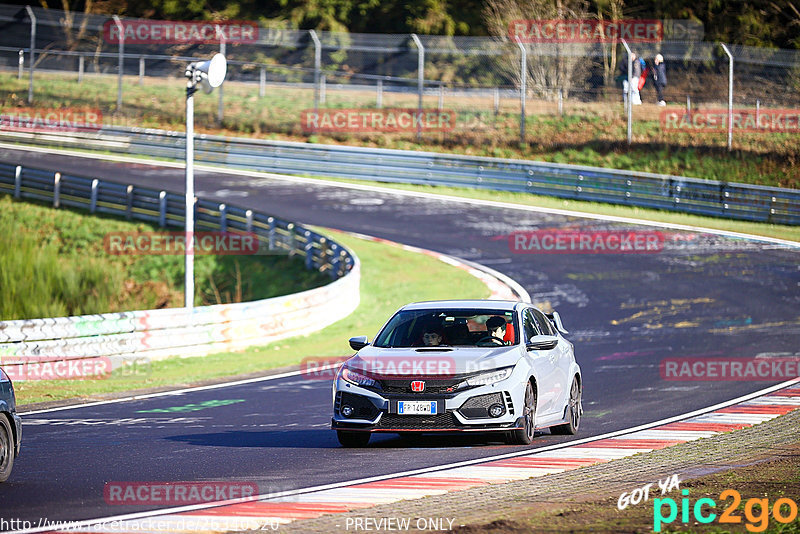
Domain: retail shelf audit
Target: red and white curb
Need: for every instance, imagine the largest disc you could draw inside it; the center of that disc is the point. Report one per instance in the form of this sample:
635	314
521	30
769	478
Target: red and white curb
273	511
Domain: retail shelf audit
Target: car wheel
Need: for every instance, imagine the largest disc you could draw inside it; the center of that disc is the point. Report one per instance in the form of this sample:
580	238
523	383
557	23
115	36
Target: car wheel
575	409
353	439
524	436
6	449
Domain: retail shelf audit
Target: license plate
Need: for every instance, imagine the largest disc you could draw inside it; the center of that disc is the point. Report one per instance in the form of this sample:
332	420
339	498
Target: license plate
416	407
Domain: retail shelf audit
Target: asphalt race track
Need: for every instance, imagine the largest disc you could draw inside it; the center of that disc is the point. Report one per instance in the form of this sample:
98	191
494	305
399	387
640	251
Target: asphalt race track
701	296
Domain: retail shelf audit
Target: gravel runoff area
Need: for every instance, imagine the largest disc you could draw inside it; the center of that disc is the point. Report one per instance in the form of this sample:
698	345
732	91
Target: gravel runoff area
485	508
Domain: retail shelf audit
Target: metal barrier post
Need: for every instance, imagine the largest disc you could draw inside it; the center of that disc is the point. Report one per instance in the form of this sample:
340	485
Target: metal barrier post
317	66
223	218
560	102
262	82
496	101
81	61
730	95
629	102
271	222
141	70
248	220
441	97
523	88
57	190
322	96
420	78
379	95
221	102
32	65
120	60
308	248
21	64
93	199
129	203
18	181
162	209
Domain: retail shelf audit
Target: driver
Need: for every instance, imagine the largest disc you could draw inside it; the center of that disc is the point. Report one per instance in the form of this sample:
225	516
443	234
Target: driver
496	328
431	337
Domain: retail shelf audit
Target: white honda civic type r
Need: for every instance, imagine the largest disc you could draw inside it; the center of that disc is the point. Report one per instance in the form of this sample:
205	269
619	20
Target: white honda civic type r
460	366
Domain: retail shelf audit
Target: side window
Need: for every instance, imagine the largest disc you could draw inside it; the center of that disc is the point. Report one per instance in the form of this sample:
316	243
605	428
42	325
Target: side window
529	325
543	323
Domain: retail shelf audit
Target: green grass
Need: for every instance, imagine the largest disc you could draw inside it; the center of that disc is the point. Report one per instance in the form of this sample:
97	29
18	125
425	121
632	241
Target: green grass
588	133
391	277
53	263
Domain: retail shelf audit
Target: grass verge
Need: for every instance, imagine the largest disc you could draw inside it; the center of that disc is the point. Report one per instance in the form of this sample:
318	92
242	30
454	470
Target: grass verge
391	277
53	263
589	133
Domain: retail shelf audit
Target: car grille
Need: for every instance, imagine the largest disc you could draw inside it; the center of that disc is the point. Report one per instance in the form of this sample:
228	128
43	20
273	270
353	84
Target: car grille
418	422
432	386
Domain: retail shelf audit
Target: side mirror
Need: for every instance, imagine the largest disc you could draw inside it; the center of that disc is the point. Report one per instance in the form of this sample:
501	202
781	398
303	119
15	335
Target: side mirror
358	342
541	342
556	318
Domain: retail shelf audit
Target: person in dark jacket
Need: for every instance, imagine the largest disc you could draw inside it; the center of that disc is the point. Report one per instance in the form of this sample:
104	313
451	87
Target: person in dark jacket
660	78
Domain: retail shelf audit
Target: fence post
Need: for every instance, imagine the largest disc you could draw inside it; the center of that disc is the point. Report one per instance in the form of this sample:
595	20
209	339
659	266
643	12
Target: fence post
523	88
93	199
221	102
120	60
57	190
317	66
18	181
379	95
730	95
322	96
496	101
271	222
262	82
32	65
441	96
129	202
560	102
141	70
223	218
308	248
420	78
629	94
21	64
162	209
81	66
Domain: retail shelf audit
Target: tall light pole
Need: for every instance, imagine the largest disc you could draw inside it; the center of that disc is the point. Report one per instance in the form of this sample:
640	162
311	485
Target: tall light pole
209	74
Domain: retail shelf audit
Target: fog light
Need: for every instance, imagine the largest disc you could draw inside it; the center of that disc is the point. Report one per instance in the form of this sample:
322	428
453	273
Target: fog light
496	410
347	411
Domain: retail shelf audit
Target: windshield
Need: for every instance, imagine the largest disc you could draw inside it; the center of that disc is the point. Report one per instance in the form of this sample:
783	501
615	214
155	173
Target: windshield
449	328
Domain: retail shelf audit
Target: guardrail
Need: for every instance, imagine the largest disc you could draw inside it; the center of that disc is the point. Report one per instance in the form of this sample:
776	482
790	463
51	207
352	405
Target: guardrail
648	190
152	334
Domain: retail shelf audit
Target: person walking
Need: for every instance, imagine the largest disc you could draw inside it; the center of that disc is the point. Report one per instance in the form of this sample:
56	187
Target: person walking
660	78
636	73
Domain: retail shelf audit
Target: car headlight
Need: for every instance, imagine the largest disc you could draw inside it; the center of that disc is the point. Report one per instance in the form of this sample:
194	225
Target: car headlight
491	377
4	376
356	378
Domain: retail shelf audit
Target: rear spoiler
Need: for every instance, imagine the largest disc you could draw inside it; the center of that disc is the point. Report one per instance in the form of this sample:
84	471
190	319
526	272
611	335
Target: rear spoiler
555	318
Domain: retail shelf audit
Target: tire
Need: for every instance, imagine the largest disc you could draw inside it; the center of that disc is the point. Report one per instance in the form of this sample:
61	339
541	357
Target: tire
524	436
353	439
6	448
575	409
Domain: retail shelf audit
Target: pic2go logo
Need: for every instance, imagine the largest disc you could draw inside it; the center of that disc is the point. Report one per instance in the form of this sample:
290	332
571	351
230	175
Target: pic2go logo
756	511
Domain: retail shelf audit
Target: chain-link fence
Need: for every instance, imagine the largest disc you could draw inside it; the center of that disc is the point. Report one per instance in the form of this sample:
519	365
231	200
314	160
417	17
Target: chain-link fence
573	91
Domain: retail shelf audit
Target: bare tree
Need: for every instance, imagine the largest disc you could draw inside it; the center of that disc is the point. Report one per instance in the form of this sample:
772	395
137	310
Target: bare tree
553	65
